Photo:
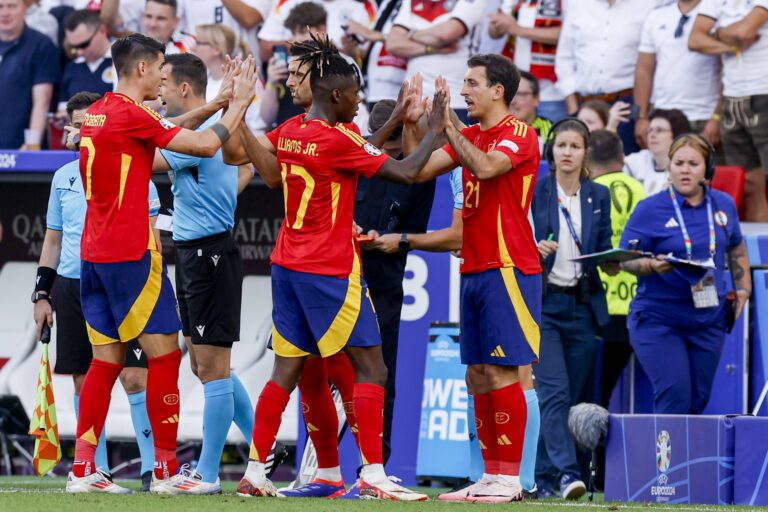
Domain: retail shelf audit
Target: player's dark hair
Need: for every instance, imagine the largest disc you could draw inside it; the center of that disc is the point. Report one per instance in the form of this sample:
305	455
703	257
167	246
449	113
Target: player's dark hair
380	114
676	119
299	50
186	67
533	81
170	3
129	50
80	101
326	63
605	149
91	19
499	70
306	14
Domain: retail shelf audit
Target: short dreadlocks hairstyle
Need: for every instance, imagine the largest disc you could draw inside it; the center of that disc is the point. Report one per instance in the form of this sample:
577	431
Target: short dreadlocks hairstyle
324	59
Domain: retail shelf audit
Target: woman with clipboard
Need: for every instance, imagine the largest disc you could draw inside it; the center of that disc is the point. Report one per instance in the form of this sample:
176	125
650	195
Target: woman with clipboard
678	318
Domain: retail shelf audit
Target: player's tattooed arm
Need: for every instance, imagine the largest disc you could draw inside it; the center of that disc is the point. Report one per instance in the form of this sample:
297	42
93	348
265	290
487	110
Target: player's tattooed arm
194	118
262	157
738	264
221	132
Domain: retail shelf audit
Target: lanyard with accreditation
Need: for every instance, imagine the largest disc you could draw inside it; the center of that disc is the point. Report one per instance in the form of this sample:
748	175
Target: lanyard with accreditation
569	222
704	292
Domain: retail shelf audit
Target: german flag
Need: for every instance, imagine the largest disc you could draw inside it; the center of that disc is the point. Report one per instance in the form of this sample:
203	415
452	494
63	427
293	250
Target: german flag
43	424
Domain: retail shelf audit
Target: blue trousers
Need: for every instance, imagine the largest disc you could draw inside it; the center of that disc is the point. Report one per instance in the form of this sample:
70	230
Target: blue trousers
680	362
565	358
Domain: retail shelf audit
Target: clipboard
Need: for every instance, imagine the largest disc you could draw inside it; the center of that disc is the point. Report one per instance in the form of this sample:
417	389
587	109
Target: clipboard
619	255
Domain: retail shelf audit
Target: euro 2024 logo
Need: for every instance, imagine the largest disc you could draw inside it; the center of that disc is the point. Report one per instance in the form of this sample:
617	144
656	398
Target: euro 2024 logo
663	454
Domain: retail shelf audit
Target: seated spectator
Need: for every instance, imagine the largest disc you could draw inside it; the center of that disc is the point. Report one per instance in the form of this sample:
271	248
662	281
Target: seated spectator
214	42
572	216
29	67
673	75
340	13
679	316
532	30
597	52
277	103
740	38
41	20
436	37
605	161
160	21
525	106
86	38
241	16
649	166
599	115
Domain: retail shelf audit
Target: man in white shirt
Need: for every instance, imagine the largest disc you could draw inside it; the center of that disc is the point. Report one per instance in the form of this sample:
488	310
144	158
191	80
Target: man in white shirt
160	21
532	29
740	38
597	53
670	76
242	16
340	13
436	37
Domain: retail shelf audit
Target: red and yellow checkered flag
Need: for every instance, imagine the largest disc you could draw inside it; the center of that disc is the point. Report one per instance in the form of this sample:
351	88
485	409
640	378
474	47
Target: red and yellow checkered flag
43	424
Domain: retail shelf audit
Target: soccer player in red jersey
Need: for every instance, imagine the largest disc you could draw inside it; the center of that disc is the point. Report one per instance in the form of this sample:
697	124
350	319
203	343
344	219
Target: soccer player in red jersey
317	402
125	291
320	300
501	282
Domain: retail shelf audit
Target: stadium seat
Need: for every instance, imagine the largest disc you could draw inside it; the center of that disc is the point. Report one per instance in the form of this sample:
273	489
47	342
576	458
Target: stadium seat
730	179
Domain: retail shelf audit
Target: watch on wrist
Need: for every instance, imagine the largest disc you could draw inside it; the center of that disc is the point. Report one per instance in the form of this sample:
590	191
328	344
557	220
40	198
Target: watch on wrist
404	244
40	295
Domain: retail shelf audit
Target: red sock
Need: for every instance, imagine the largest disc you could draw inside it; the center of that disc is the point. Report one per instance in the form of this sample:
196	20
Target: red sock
94	404
342	374
511	414
369	409
320	412
163	410
486	432
266	423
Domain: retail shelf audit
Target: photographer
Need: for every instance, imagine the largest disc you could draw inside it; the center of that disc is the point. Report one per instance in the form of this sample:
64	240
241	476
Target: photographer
572	216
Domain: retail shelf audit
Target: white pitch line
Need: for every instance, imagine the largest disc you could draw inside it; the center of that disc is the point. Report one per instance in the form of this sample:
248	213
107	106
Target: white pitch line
649	506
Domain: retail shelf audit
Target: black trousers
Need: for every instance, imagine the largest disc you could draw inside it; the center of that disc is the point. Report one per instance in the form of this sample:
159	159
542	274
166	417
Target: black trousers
388	304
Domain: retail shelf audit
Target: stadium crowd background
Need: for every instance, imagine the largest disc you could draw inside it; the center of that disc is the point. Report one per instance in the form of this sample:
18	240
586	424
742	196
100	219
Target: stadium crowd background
646	70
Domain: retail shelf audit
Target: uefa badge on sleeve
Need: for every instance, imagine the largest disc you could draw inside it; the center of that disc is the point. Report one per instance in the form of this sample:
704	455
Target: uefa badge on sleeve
371	149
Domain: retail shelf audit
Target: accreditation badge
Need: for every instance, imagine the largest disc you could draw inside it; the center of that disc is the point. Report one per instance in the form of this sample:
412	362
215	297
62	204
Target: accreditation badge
705	293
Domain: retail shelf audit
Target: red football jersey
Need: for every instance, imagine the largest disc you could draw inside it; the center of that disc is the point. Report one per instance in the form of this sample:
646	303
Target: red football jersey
495	213
320	165
117	146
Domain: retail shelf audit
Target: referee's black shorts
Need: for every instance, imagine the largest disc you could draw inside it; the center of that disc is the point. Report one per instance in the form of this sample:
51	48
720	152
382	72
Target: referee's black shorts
73	350
209	289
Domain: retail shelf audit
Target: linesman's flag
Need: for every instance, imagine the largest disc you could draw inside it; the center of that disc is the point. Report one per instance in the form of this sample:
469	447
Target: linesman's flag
43	424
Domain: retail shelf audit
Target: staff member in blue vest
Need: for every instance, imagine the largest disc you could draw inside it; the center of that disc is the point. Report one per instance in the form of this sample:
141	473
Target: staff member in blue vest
572	217
678	318
209	273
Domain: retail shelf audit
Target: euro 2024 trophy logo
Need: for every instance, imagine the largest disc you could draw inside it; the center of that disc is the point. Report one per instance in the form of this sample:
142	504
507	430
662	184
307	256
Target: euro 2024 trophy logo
663	454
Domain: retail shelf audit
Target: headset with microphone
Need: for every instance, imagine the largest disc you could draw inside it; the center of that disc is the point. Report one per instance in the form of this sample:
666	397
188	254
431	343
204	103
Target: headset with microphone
709	160
550	142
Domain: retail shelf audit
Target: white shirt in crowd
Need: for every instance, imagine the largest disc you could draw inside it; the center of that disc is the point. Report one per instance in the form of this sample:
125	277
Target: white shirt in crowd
686	80
745	74
386	72
526	17
597	50
340	12
642	167
205	12
423	14
564	271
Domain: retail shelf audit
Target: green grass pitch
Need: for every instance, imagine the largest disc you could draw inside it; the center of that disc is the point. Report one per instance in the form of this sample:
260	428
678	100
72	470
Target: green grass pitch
47	495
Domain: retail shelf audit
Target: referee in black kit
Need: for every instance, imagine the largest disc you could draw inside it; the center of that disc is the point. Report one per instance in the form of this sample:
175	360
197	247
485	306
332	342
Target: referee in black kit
385	207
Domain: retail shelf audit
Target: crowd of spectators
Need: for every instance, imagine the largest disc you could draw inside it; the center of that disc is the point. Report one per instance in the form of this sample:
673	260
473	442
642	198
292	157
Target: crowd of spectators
646	69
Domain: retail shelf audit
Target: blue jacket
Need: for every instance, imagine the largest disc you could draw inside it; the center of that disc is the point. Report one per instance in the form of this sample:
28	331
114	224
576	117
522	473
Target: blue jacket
595	230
